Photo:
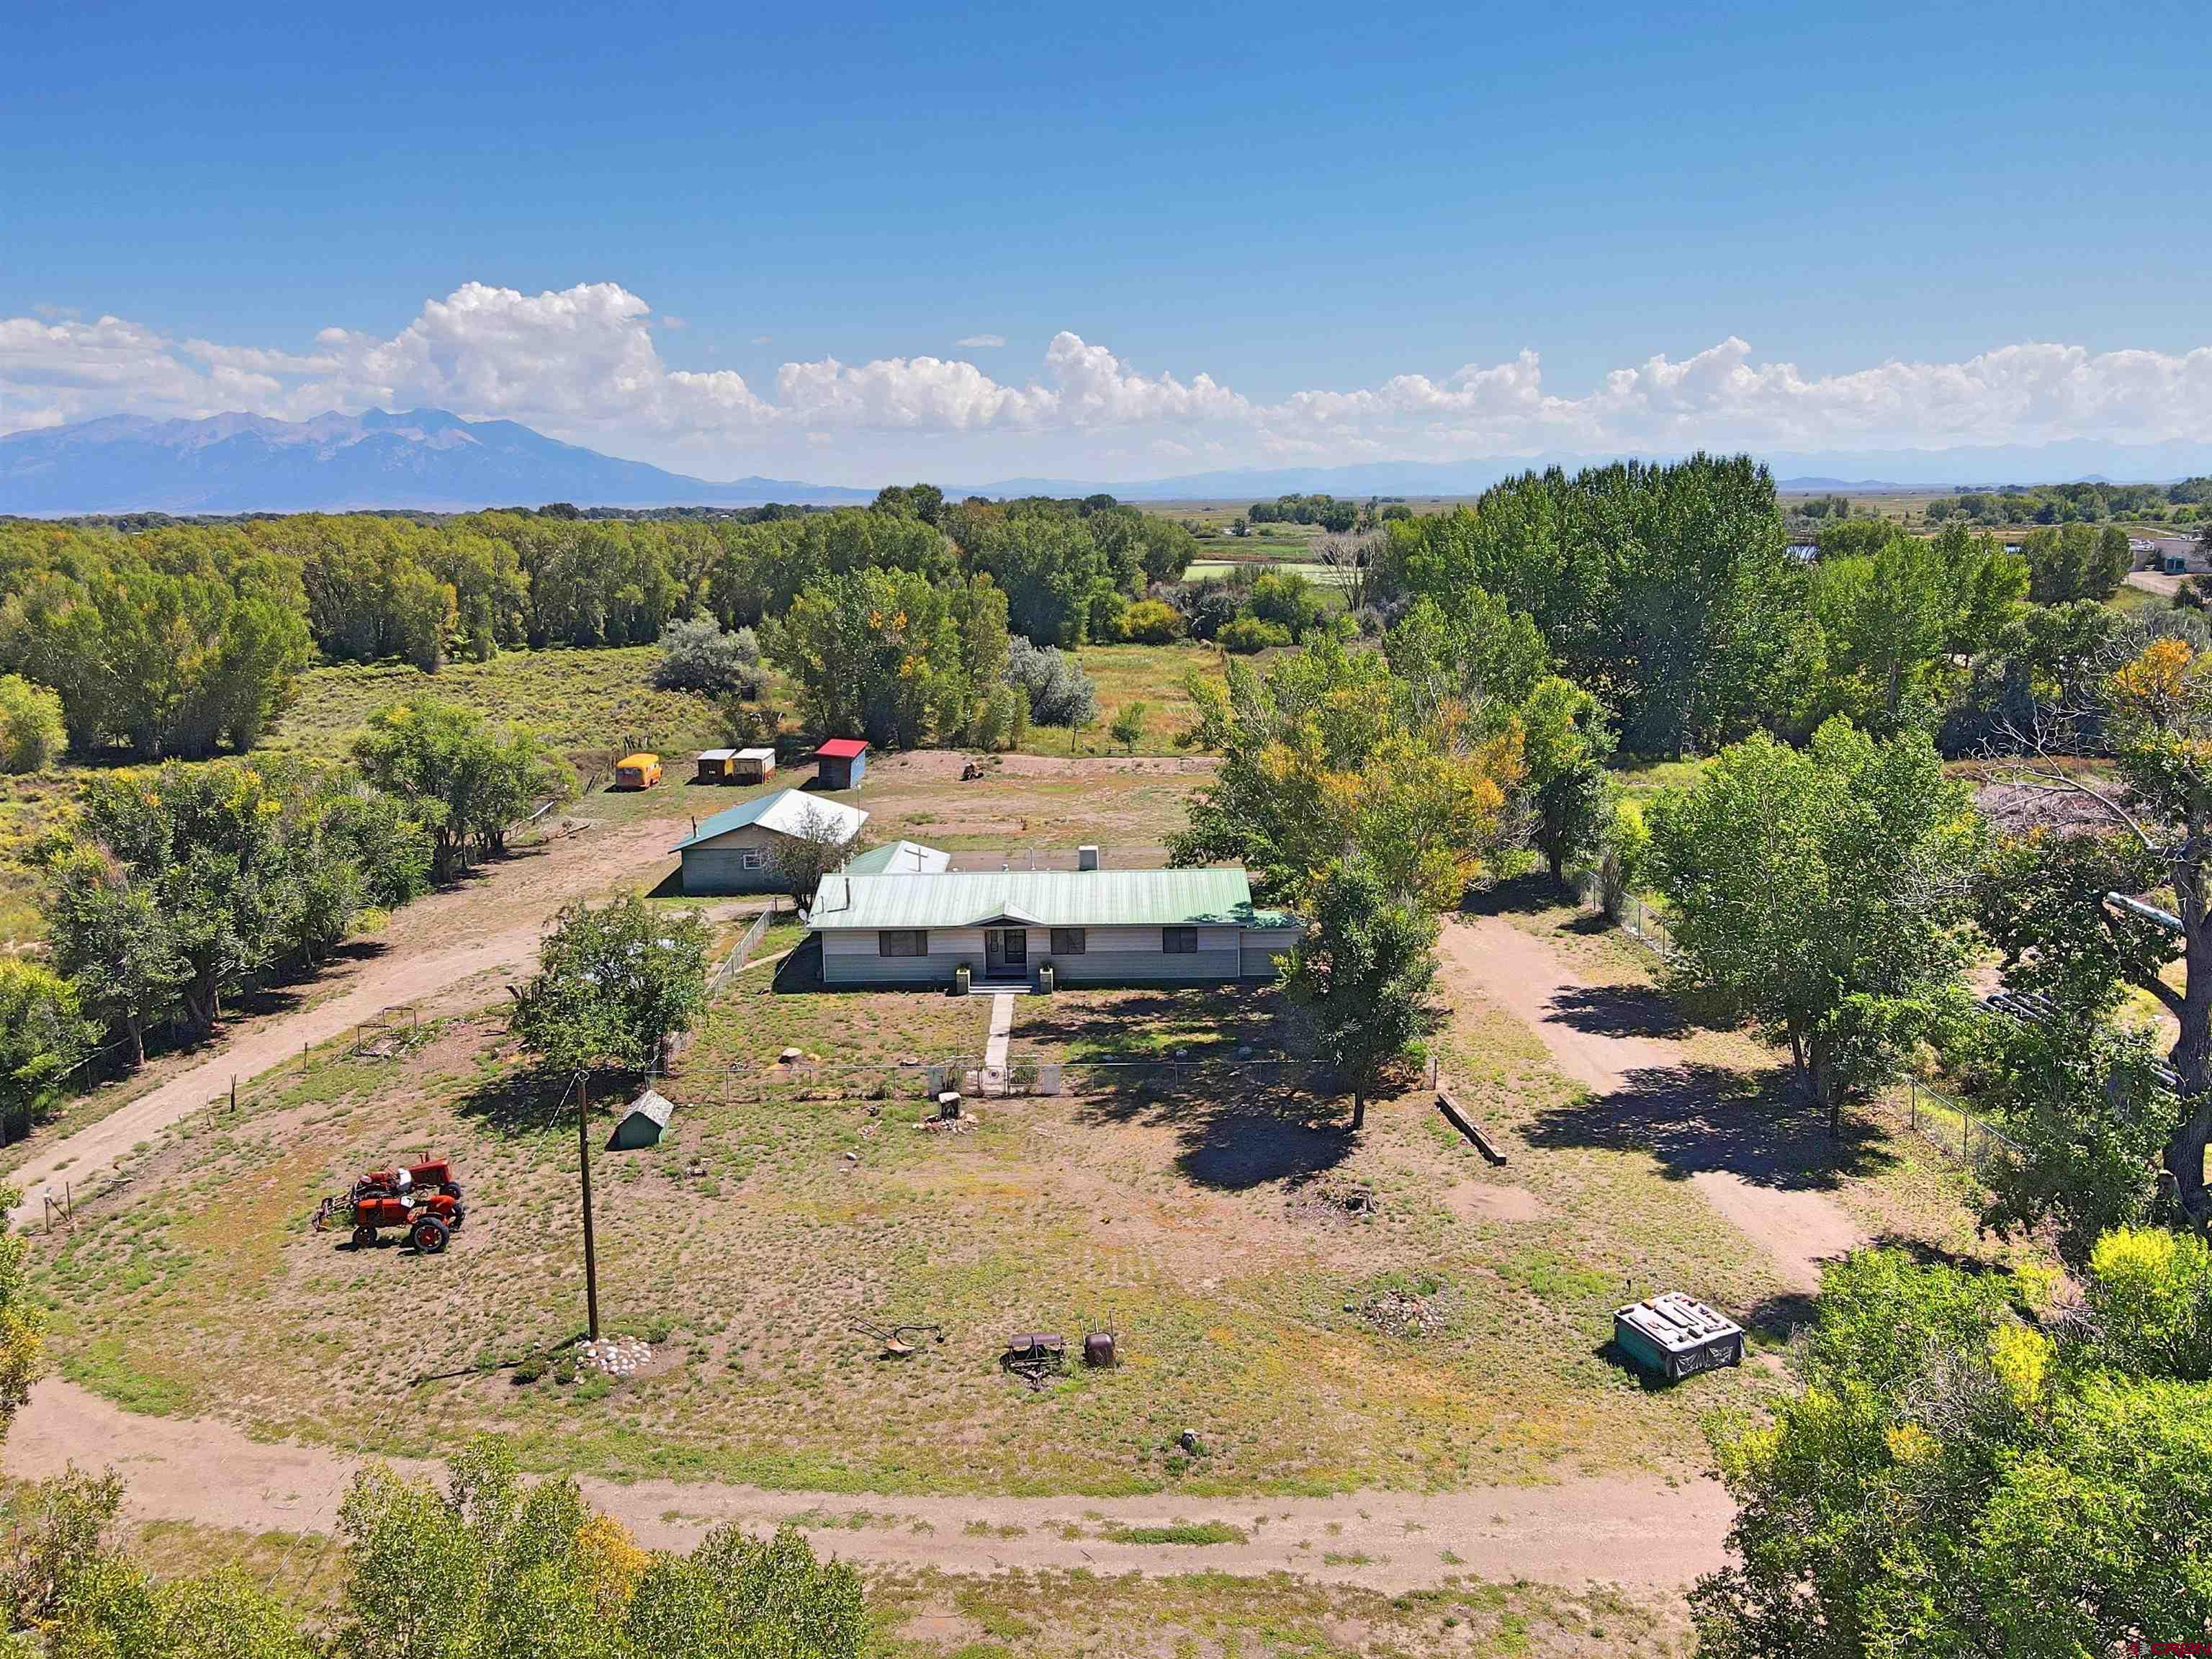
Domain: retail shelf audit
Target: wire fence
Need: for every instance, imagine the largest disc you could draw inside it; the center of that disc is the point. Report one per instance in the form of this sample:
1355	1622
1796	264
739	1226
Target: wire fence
735	961
1637	918
1952	1125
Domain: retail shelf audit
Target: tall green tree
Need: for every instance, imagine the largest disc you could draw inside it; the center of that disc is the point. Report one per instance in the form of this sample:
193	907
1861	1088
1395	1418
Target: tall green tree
1569	792
2075	561
1821	894
42	1035
612	981
893	656
465	779
1328	750
1896	624
1364	972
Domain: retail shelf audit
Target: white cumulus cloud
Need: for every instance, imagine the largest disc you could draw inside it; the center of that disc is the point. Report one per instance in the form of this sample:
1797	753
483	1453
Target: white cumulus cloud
583	364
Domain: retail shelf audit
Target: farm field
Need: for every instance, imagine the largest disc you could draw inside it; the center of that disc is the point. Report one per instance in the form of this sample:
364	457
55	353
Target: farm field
1320	575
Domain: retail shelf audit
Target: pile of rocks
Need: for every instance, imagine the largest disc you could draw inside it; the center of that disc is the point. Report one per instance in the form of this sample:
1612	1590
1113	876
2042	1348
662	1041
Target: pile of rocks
614	1356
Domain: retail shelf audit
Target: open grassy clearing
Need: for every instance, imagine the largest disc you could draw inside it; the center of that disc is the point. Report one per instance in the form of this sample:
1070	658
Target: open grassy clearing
1211	1614
1030	804
1320	575
1205	1218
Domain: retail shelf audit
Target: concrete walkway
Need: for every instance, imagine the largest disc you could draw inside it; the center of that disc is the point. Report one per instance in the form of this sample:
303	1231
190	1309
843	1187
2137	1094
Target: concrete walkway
1002	1032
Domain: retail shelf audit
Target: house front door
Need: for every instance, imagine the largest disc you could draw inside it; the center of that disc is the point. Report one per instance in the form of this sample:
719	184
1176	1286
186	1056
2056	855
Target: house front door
1006	953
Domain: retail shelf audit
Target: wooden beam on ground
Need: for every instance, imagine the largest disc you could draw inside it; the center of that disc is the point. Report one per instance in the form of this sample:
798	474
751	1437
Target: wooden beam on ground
1468	1126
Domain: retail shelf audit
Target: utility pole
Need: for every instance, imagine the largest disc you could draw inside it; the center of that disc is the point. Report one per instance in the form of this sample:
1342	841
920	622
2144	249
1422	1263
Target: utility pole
584	1162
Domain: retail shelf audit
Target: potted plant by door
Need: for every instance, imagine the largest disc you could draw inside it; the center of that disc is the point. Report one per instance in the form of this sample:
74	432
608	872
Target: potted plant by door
1044	977
961	977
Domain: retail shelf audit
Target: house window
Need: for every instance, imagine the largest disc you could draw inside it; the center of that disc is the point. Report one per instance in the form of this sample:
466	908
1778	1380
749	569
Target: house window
1179	941
1067	941
752	858
903	942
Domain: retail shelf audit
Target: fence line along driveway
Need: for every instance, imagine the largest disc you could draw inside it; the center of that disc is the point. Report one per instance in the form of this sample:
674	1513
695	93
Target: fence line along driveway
490	925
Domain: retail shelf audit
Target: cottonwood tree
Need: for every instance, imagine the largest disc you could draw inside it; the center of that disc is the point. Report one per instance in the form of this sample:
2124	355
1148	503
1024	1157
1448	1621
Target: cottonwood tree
170	891
2158	720
1952	1479
466	780
1821	894
42	1035
32	732
1329	749
1569	792
1365	972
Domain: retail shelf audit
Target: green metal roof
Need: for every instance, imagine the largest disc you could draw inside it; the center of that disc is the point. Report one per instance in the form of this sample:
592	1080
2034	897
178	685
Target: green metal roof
1043	898
909	856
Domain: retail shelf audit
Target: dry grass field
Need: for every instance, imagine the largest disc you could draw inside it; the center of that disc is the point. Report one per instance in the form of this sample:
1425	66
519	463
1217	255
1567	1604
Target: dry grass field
1323	1313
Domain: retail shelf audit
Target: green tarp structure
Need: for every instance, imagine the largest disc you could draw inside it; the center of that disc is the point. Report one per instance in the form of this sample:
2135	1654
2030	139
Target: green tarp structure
642	1124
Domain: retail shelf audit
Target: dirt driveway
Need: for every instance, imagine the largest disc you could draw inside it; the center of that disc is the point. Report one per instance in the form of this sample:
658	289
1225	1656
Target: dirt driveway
487	928
1602	1037
1638	1532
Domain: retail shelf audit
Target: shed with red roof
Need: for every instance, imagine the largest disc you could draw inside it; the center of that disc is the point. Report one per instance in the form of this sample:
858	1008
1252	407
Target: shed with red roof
841	763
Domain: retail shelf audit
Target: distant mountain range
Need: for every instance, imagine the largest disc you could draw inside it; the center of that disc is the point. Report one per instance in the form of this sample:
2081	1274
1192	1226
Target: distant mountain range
428	459
424	459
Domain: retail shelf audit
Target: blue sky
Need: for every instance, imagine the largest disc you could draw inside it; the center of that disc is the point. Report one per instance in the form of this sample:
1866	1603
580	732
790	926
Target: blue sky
1289	200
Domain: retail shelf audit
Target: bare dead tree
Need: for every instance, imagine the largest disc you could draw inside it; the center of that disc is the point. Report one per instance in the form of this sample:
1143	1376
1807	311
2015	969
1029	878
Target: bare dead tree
1352	563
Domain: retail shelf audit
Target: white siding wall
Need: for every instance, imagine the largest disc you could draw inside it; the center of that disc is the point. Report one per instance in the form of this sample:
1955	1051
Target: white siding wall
1265	948
1112	956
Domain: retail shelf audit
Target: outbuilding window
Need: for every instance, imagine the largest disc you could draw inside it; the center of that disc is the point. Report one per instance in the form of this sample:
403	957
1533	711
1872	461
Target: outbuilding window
752	858
903	942
1067	941
1179	941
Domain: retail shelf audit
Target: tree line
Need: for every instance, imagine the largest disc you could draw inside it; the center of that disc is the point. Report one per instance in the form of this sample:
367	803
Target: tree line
1670	593
169	892
179	638
2074	503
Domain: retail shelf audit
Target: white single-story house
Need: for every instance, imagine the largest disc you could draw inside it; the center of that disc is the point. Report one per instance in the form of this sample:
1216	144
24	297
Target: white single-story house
733	851
897	927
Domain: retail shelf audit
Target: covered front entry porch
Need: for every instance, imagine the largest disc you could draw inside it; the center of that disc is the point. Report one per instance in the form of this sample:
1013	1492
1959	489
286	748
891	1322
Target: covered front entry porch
1006	953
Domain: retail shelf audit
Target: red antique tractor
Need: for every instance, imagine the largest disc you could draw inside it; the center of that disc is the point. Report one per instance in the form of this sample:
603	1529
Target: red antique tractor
422	1200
